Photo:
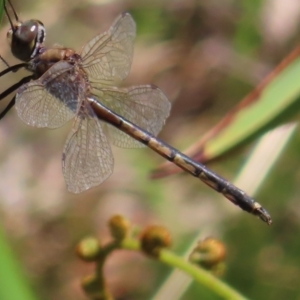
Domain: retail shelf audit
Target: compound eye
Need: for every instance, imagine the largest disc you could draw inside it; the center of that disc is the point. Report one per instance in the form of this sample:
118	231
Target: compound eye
26	38
27	32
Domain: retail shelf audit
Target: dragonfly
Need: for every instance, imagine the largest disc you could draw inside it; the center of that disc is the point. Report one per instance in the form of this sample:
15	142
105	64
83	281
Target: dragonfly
65	84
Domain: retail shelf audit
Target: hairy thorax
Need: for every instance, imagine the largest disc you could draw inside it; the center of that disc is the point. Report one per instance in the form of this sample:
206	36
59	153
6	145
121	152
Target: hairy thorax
47	57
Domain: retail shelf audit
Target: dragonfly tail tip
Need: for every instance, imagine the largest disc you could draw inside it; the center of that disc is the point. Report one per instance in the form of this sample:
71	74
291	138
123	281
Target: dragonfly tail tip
264	216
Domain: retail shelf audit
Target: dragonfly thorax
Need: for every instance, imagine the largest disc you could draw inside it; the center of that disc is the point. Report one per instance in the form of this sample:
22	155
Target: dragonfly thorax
26	38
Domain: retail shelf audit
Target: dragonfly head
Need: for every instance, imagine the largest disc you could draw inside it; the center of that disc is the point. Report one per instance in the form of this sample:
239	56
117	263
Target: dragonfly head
25	38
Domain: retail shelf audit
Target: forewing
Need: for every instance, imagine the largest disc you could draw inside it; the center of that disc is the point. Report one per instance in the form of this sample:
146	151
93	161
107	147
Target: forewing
51	100
87	157
145	106
108	56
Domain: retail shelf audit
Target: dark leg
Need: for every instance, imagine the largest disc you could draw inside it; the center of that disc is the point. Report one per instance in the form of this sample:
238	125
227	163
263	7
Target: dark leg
13	9
15	86
8	107
14	68
10	90
4	61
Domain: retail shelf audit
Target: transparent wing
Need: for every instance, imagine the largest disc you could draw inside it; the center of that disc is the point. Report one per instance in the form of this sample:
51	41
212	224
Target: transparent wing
87	157
145	106
109	56
51	100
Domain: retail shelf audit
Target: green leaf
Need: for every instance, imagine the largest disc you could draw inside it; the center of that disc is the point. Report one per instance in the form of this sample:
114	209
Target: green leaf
12	280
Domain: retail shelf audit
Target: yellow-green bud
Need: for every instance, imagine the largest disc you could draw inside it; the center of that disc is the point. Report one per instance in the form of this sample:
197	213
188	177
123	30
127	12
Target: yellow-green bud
208	253
155	238
119	227
88	249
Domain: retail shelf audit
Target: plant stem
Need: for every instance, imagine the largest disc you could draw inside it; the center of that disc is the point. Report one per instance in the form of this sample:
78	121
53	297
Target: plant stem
200	275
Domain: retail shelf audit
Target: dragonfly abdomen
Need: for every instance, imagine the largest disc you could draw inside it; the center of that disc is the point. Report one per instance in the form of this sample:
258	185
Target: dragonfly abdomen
221	185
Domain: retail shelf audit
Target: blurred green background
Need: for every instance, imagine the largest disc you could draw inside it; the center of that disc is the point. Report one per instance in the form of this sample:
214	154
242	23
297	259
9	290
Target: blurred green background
206	56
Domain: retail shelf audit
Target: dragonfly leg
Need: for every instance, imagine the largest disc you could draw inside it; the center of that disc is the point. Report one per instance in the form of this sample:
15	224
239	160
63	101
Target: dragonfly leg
8	107
10	90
